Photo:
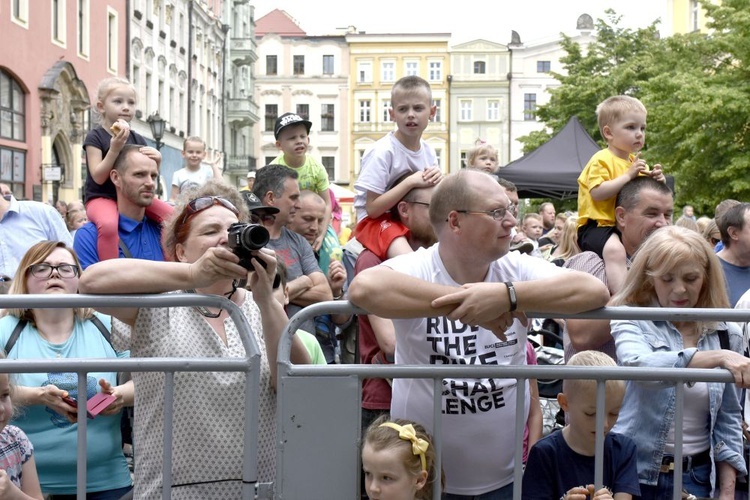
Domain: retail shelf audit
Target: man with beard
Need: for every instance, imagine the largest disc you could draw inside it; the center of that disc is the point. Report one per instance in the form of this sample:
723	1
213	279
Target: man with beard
134	176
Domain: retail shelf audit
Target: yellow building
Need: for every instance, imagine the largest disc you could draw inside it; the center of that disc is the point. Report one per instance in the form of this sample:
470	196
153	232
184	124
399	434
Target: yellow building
685	16
377	61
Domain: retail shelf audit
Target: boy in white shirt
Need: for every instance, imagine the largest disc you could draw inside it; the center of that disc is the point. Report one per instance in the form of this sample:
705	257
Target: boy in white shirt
195	172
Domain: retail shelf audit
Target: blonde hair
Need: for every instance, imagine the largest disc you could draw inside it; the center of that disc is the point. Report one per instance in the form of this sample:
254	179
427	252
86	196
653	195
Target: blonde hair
667	248
480	148
590	358
107	85
381	437
687	223
613	108
36	255
193	138
568	246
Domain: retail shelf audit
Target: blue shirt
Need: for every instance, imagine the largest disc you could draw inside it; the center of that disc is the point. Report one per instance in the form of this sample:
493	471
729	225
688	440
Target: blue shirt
54	437
143	239
648	408
25	224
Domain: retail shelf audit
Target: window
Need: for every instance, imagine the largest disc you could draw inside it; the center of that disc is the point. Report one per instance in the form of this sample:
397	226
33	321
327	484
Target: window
270	159
388	71
13	169
465	107
412	68
58	21
386	110
20	11
327	65
364	72
272	112
326	117
112	40
329	163
438	111
464	155
364	111
542	66
436	71
271	65
493	110
480	67
694	13
149	104
529	107
12	109
438	157
299	65
304	111
83	27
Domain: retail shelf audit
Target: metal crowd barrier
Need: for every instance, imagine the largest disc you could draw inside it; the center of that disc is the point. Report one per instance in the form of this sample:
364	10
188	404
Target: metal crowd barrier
250	365
319	406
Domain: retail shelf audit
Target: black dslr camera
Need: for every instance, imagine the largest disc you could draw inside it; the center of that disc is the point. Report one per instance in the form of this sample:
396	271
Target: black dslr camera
245	238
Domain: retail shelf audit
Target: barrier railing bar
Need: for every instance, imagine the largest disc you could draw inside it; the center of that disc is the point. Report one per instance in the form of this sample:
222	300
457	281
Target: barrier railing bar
166	471
601	395
437	388
249	365
518	453
678	435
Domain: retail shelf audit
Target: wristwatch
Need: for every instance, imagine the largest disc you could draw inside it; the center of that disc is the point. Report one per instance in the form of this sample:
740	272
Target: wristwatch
512	296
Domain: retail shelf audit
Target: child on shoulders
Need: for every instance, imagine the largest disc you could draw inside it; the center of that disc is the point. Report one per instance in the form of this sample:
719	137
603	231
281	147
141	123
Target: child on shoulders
561	465
622	123
397	154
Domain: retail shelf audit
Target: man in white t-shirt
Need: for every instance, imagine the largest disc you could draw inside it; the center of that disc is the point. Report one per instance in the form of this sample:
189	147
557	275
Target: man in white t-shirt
460	302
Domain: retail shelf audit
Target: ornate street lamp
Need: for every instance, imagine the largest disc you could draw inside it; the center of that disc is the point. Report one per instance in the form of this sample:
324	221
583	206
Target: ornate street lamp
157	124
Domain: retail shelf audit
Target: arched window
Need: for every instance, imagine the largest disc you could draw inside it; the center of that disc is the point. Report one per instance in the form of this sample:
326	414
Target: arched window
12	114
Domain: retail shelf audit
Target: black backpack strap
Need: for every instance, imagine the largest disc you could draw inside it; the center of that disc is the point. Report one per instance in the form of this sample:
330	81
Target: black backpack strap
125	249
103	329
723	338
14	336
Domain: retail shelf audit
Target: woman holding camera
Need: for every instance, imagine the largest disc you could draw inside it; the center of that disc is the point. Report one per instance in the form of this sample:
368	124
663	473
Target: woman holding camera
209	406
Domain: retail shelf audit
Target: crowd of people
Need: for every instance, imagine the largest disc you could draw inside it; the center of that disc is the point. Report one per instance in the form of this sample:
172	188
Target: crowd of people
445	265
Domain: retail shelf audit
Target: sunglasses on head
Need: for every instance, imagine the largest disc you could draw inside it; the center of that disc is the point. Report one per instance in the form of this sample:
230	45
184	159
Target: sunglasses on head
204	202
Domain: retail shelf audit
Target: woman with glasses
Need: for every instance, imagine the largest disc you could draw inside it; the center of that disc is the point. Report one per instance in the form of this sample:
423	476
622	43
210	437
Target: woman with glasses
48	416
209	407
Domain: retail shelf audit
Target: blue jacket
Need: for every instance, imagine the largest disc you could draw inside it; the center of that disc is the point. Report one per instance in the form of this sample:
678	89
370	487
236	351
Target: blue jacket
648	408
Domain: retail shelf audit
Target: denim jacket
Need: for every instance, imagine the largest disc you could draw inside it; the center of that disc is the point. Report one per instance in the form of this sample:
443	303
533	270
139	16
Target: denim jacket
648	408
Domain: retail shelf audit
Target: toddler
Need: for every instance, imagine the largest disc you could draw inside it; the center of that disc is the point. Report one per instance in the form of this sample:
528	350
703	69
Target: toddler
482	157
532	227
195	173
116	105
18	476
399	461
622	123
561	465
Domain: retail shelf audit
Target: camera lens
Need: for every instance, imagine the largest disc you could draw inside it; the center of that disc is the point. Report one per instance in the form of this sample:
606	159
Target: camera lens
253	237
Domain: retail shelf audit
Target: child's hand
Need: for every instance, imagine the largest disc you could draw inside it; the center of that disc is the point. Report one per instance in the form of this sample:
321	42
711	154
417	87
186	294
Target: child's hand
336	276
318	241
602	494
121	137
432	175
577	493
152	153
657	174
637	167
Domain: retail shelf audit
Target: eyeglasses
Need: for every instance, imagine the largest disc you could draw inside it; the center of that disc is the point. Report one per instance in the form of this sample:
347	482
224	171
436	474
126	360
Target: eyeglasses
204	202
44	270
497	214
419	203
257	218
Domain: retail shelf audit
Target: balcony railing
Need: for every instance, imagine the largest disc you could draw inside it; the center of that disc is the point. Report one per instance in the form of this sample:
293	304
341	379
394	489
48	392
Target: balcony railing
243	51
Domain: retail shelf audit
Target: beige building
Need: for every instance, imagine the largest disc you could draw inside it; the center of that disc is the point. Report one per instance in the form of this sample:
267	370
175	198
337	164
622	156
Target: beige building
684	16
377	62
479	100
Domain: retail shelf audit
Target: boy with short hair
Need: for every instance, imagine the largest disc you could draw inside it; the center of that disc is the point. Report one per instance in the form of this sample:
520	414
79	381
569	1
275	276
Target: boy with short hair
622	123
561	465
195	173
533	227
401	153
292	133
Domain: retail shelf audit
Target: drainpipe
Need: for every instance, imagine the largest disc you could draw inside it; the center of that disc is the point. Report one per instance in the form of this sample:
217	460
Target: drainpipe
190	70
127	39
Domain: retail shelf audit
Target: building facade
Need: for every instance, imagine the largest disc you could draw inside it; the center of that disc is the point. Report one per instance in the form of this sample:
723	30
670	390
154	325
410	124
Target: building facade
55	53
531	81
479	100
307	75
377	61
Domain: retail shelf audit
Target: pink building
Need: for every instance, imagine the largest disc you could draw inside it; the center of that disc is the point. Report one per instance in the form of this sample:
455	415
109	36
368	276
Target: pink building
54	53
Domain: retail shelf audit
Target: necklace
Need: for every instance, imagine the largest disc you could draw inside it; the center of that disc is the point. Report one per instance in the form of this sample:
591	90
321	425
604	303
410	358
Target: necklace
208	314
